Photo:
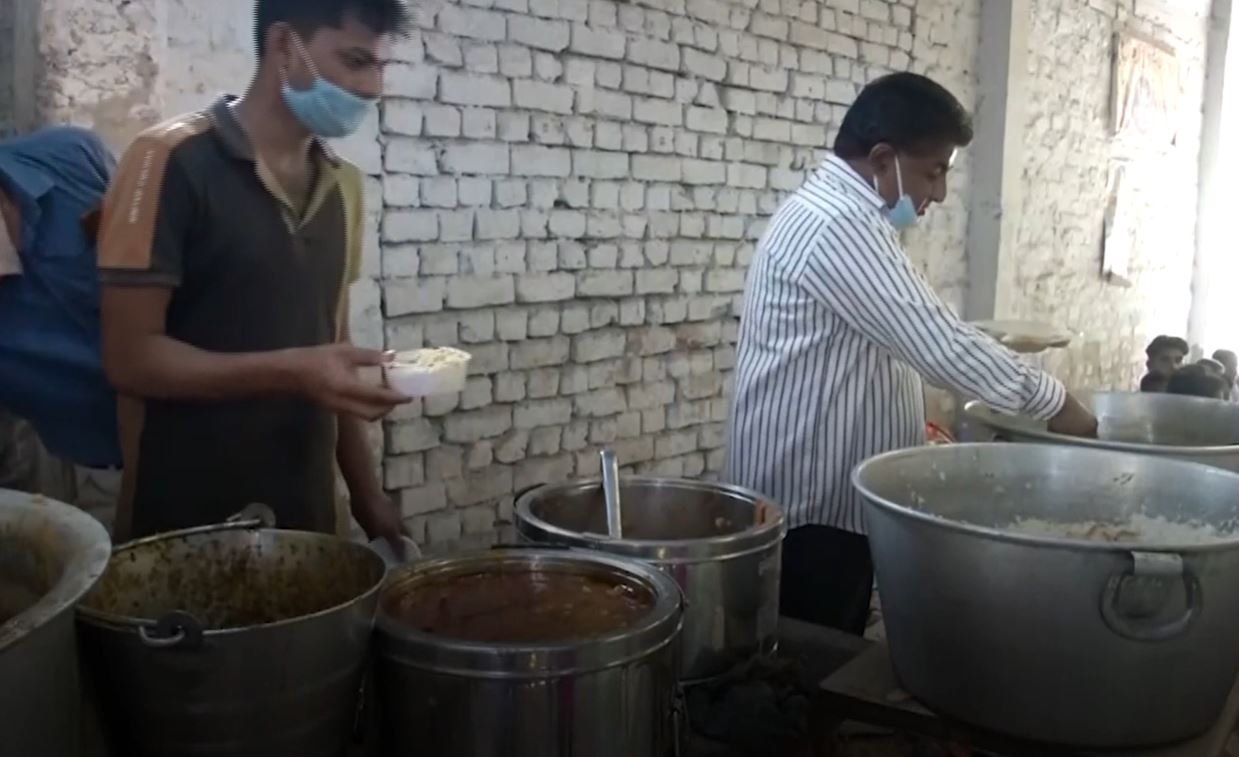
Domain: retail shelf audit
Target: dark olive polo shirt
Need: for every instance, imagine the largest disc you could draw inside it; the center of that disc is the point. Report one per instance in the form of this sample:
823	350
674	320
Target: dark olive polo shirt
193	209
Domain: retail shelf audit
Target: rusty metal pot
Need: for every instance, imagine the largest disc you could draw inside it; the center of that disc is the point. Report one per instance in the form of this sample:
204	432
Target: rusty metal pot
234	640
50	555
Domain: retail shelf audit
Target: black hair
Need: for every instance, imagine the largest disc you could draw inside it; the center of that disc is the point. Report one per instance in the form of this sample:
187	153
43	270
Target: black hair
1224	356
1196	381
308	16
1163	343
1153	382
907	111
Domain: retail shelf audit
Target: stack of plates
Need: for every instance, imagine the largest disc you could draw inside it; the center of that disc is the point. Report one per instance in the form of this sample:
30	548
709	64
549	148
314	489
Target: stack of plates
1026	336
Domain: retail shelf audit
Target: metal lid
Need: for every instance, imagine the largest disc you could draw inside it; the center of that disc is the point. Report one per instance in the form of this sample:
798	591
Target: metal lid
68	541
409	646
646	497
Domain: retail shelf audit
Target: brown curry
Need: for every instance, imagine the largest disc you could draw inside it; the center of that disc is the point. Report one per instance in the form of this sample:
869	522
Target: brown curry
519	607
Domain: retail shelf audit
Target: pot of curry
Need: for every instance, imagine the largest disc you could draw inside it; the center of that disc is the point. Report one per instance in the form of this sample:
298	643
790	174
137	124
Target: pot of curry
50	555
527	653
722	544
232	640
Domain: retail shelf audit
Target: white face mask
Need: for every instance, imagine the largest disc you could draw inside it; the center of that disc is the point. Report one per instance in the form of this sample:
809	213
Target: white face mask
10	262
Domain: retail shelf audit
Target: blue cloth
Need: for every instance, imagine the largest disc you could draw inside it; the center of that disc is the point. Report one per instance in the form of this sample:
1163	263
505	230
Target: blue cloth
51	369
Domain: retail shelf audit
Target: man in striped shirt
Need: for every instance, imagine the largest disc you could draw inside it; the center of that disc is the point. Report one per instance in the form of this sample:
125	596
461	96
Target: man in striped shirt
837	332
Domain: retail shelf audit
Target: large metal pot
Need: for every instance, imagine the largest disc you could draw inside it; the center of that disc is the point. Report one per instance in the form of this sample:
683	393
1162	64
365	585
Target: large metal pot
50	555
722	544
234	640
604	696
1091	643
1165	425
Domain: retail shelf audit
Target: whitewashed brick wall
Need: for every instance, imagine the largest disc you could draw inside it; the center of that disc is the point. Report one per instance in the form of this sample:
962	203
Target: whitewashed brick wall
572	190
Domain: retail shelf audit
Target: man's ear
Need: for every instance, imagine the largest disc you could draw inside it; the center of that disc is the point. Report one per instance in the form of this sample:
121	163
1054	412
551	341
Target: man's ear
882	159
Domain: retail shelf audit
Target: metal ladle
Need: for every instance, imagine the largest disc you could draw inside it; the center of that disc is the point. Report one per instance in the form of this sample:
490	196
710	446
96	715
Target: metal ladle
611	494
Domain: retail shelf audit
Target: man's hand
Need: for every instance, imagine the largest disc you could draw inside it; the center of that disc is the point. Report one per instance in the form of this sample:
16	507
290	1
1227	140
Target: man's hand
1074	420
379	518
328	374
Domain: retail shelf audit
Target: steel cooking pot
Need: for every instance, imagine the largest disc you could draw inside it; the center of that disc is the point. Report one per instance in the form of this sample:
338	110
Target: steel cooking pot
1164	425
722	544
50	555
604	694
234	640
1054	637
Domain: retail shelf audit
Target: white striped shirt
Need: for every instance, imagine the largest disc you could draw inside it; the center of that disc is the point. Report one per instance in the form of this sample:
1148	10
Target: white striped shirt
837	325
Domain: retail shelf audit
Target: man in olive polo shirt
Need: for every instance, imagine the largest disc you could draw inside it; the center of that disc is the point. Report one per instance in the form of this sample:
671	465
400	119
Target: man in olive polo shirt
228	240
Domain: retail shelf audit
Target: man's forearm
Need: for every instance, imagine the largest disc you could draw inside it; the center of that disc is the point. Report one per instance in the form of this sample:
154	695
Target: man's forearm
357	465
161	367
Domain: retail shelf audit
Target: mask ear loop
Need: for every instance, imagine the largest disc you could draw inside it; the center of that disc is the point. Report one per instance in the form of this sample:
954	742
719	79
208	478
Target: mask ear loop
299	46
898	178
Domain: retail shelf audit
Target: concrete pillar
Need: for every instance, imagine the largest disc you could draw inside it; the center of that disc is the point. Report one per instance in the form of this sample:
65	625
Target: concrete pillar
997	159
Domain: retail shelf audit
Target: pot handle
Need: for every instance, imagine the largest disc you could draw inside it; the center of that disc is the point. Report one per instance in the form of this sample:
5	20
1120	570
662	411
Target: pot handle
253	515
175	630
1162	565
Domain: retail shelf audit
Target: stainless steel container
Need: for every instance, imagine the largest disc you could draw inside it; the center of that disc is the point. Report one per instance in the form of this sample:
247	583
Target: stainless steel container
722	544
1165	425
50	555
606	696
1090	643
236	640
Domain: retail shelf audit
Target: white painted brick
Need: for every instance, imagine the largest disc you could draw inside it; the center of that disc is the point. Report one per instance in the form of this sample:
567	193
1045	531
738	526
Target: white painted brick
655	54
401	190
419	82
455	226
474	292
543	471
498	224
481	58
704	172
548	287
539	353
420	295
412	436
410	225
473	426
477	158
404	155
713	120
598	345
475	89
656	281
537	413
598	164
403	471
479	123
539	33
599	403
534	160
839	91
567	224
604	283
473	23
616	105
420	500
656	168
704	65
599	43
770	79
536	95
654	111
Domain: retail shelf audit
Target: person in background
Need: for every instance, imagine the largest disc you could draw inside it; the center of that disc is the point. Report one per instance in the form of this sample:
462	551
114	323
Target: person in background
1154	383
1164	355
1230	371
1212	367
56	407
838	329
228	242
1198	380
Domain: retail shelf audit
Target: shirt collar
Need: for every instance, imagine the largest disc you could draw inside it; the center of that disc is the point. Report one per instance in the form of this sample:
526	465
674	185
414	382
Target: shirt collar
836	171
237	142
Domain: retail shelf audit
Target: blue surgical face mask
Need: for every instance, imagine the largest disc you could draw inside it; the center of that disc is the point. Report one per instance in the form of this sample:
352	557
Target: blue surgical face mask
903	214
325	109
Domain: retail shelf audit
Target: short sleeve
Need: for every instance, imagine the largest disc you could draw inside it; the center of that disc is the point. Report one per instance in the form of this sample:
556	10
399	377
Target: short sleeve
352	194
145	219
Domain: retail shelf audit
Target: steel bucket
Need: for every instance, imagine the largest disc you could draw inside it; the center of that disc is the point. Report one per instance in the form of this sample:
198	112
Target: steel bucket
610	695
234	640
722	544
1164	425
50	555
1088	643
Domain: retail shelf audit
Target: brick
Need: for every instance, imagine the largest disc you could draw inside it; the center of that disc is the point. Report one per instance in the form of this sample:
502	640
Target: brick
567	224
484	486
473	23
651	340
539	33
713	120
656	281
704	172
419	82
537	413
599	403
746	175
739	100
410	225
476	291
543	471
537	95
536	160
545	287
770	79
413	435
598	345
604	284
839	91
598	43
765	25
421	295
498	224
539	353
481	58
706	66
653	53
655	111
475	425
655	168
475	89
455	226
403	471
477	158
402	117
599	164
423	499
404	155
479	123
439	192
616	105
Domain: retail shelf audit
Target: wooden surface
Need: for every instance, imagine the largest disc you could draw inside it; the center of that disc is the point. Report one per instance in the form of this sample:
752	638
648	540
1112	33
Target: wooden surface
866	690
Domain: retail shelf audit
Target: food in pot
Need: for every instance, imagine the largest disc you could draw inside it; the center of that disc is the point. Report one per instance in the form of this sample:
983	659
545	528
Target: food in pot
1138	528
425	372
527	606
